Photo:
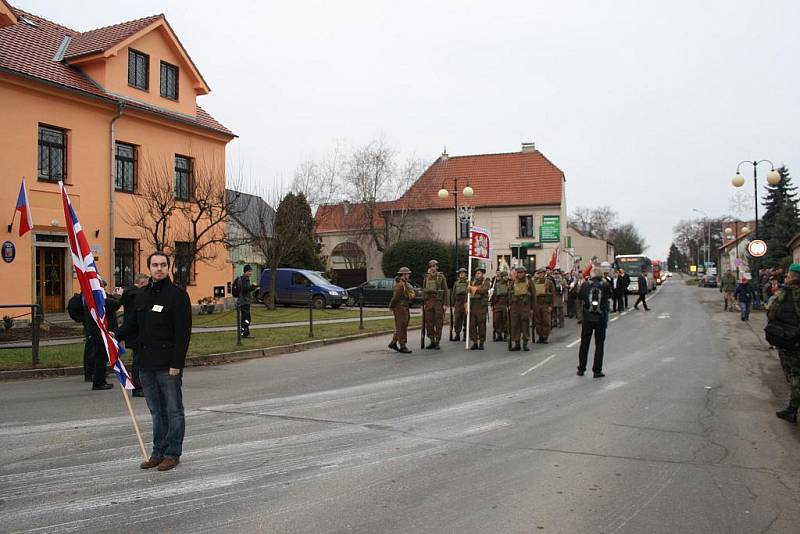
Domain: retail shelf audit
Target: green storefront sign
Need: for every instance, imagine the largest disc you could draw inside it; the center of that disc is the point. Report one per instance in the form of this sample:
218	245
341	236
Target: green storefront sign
550	230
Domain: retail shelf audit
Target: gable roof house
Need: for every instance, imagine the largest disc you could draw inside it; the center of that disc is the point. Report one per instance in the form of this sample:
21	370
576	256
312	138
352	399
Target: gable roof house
251	220
518	196
104	111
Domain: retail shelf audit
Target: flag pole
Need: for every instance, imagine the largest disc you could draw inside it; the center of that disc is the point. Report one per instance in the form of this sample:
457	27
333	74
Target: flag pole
469	283
135	423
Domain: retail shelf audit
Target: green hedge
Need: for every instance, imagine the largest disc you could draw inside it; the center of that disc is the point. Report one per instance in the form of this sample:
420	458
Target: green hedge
415	254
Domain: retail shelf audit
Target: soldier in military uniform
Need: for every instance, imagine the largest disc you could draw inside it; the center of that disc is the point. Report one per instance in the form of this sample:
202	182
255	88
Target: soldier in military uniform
478	308
499	302
401	302
522	295
785	307
434	290
543	304
459	304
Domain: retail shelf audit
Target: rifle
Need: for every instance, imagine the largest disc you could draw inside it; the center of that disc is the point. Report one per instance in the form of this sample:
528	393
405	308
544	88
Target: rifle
452	298
422	330
508	320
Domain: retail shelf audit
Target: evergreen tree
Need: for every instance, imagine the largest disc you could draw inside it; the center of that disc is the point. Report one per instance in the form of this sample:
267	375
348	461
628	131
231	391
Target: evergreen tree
675	260
781	220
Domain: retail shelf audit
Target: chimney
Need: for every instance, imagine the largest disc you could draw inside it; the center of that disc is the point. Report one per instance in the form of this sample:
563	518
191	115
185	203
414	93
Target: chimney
528	146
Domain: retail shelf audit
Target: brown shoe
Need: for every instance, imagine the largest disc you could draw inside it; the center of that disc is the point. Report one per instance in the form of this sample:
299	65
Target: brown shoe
151	463
168	463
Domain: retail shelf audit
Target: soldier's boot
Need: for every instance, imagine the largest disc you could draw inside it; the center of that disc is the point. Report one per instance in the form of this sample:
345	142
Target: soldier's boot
516	347
525	345
789	414
544	340
393	346
404	350
458	337
474	346
431	344
480	345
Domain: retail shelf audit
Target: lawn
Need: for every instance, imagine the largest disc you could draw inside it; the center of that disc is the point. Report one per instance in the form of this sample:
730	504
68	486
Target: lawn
207	343
261	315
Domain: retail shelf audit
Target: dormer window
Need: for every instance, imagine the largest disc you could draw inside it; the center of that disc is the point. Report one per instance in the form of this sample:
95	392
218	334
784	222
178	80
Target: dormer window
138	69
169	81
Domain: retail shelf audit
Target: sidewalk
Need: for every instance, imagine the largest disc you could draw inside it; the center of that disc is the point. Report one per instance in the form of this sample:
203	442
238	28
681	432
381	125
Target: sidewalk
202	329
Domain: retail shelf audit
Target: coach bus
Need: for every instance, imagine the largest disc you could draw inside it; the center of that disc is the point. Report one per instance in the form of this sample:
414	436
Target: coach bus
657	272
634	265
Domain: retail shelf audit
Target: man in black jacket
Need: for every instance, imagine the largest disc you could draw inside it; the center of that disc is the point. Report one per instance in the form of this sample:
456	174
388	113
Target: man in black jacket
162	324
593	296
245	298
643	289
127	298
626	282
95	349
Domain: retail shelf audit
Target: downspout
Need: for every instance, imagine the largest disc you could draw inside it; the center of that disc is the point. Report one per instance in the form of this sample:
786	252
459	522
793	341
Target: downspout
112	207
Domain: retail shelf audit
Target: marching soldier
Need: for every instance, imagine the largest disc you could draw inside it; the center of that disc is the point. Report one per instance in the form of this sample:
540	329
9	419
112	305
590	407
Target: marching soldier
460	290
401	302
434	289
522	295
478	308
543	304
499	302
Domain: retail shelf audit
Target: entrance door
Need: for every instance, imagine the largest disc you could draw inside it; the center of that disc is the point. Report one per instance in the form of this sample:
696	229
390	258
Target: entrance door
50	279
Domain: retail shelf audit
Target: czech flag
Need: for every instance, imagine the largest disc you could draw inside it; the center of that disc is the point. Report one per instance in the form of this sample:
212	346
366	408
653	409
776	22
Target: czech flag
554	258
24	209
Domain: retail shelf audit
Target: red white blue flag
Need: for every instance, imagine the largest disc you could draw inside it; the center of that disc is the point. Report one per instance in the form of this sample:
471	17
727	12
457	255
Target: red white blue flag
24	209
92	288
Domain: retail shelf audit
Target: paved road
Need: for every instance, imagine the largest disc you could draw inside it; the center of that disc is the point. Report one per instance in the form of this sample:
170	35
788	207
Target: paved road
679	437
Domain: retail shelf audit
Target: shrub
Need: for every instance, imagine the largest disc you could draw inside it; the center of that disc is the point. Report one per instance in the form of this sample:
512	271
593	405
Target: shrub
415	254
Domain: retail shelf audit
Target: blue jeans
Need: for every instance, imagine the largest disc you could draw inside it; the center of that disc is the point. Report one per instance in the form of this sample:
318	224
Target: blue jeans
745	307
165	402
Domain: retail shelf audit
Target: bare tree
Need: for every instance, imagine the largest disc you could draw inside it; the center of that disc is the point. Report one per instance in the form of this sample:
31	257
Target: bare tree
321	180
581	218
598	222
154	206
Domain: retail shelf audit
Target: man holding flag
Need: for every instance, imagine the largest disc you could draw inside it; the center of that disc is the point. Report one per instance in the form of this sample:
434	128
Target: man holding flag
162	323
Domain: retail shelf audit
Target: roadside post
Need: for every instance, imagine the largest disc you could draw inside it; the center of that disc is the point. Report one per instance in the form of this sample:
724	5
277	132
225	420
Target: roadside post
238	324
361	312
310	312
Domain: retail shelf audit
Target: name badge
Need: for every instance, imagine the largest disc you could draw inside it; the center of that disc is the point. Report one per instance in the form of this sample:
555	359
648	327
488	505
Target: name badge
157	307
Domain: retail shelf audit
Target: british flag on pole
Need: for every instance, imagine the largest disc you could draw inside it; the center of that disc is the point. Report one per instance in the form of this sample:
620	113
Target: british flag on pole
92	288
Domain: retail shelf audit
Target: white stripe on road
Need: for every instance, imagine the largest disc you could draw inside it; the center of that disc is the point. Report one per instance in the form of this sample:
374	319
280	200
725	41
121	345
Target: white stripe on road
573	343
623	314
614	385
541	363
614	319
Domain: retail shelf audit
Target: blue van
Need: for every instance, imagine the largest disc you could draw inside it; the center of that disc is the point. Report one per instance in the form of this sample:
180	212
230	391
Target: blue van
296	286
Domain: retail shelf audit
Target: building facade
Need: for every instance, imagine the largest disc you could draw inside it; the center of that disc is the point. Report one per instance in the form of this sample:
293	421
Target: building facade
582	247
519	197
109	112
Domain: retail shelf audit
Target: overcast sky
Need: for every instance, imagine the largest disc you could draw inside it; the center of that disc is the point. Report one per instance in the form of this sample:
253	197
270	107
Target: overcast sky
647	106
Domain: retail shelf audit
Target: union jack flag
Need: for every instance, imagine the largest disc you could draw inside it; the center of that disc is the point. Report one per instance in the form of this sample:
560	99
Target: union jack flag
92	288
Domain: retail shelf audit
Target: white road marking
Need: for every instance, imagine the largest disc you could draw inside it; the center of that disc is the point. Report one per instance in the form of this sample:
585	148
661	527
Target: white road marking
624	313
541	363
664	316
614	319
573	343
614	385
668	359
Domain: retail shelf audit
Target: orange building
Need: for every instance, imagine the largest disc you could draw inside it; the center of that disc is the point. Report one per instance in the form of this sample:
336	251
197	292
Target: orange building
106	111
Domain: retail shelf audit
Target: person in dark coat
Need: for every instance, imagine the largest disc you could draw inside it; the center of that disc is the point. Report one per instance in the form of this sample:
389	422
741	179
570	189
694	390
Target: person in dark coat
643	289
625	284
245	298
127	298
162	324
95	349
594	296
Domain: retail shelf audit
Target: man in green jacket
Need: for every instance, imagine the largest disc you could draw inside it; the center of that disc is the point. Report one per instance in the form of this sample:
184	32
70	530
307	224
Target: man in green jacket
727	286
784	308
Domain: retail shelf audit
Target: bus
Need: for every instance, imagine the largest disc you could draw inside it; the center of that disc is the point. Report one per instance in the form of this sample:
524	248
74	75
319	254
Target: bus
634	265
657	272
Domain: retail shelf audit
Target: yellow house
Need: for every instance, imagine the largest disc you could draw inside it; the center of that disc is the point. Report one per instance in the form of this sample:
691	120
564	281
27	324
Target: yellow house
112	113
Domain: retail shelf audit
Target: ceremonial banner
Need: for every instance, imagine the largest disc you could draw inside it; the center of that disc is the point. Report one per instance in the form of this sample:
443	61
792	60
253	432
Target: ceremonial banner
479	243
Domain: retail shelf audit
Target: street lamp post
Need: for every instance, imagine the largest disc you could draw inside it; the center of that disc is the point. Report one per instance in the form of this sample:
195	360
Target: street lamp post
773	178
708	242
468	192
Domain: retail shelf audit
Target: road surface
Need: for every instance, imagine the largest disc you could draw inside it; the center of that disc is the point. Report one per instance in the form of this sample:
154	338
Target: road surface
680	436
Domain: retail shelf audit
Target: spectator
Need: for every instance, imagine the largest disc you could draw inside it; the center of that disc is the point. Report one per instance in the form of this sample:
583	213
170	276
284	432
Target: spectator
594	296
745	296
127	298
784	309
162	324
245	298
727	286
95	349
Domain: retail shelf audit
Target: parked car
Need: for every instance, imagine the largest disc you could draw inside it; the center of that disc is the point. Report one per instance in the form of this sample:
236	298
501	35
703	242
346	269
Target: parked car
708	280
296	286
377	292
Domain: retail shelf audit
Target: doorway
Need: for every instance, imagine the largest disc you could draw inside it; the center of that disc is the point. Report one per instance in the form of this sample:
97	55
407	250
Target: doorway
50	279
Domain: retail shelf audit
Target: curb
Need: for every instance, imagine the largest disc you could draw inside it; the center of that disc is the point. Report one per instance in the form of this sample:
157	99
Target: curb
219	358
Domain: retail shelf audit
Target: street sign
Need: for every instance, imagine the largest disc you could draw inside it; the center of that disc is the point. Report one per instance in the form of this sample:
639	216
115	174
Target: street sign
757	248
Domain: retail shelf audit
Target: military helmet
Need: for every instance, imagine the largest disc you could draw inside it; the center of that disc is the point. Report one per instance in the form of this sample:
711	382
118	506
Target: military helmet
521	269
541	270
432	263
462	270
503	273
481	269
403	270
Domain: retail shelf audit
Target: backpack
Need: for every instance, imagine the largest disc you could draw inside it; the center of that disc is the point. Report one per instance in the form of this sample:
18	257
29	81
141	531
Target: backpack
593	305
75	308
235	287
784	335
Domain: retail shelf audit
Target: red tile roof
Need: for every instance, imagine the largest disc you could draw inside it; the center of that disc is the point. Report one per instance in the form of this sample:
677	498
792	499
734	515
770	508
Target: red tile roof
512	179
101	39
27	50
346	217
